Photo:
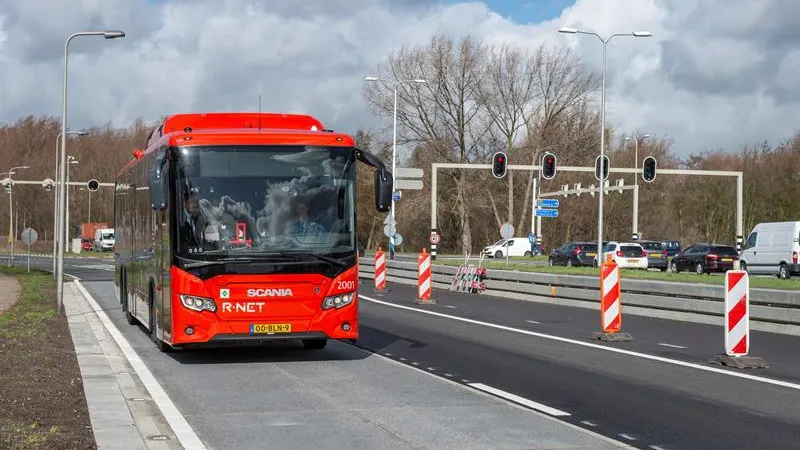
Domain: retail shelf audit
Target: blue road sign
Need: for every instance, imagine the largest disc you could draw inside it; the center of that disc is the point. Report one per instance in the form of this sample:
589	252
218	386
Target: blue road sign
397	196
541	212
548	203
531	238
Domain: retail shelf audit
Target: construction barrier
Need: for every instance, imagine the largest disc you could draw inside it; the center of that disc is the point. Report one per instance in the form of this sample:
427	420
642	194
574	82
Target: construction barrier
611	303
380	270
424	278
469	279
737	324
737	313
773	311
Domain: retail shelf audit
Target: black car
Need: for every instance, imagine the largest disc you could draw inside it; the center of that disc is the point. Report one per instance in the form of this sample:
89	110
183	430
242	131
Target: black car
705	258
574	254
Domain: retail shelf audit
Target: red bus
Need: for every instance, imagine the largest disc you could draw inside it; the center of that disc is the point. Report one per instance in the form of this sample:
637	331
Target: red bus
236	228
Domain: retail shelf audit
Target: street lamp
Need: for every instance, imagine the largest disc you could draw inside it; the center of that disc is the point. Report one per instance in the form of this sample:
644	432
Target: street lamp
395	85
636	153
11	237
56	200
108	34
89	219
605	42
70	160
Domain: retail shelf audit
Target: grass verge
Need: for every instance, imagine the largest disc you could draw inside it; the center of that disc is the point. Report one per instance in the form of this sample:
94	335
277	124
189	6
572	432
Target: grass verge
42	402
792	284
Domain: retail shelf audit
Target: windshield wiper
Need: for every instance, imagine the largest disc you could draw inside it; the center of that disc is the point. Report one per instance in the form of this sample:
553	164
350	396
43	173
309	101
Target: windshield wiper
228	260
309	256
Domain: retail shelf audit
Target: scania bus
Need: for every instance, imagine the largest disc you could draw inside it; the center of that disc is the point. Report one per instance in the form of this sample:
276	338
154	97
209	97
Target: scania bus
236	228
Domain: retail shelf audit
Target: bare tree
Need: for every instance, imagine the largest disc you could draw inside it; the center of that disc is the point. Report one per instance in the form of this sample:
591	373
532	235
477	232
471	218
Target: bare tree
445	113
563	86
508	94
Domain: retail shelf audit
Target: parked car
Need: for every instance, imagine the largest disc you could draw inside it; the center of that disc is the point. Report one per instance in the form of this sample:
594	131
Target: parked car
773	248
573	254
87	244
672	247
627	255
518	246
705	258
656	255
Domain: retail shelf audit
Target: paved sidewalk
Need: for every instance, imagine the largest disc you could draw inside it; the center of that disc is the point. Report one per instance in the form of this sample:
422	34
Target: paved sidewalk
10	291
122	413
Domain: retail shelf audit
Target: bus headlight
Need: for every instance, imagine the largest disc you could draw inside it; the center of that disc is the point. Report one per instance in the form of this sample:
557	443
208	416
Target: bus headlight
198	303
338	301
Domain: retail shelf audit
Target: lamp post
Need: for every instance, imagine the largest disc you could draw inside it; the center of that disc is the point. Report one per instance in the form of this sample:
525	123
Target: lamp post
395	85
636	153
70	160
602	125
108	34
89	219
56	200
11	234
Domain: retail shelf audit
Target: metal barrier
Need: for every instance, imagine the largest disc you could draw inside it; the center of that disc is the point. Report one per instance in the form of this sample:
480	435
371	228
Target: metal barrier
771	310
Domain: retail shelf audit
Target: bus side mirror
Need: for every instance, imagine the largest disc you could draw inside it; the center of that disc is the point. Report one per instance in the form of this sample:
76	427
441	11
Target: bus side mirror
383	191
157	186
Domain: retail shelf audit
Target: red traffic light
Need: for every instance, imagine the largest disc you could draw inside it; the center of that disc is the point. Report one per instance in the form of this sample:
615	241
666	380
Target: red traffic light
548	166
499	168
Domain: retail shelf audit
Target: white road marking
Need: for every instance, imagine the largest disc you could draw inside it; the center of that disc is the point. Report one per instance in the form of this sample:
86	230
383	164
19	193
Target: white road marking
533	321
627	436
450	306
655	447
671	345
183	431
590	423
431	368
520	400
676	362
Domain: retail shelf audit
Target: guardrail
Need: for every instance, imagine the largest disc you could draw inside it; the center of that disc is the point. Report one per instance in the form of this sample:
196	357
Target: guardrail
770	310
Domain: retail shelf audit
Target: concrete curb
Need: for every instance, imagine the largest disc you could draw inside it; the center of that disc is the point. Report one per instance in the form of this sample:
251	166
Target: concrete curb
121	412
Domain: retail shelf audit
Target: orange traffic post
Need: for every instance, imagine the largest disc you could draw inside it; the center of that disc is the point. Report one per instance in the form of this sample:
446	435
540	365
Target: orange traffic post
424	279
380	270
611	304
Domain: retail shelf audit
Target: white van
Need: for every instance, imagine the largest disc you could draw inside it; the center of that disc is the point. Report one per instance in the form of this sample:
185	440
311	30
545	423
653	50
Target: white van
103	239
518	246
773	249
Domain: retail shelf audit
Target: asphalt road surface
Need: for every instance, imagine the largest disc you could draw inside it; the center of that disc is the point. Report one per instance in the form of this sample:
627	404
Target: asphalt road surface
645	402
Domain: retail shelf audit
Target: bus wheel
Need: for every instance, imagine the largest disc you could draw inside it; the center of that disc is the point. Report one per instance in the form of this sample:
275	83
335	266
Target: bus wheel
315	344
123	295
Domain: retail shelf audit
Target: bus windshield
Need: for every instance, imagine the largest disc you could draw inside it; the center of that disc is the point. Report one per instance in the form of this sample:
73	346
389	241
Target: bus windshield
256	199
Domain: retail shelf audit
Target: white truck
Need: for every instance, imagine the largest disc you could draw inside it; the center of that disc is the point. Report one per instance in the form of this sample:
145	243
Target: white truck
103	239
773	249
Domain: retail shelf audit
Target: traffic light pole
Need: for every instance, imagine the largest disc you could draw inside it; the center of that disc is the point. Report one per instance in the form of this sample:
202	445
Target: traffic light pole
713	173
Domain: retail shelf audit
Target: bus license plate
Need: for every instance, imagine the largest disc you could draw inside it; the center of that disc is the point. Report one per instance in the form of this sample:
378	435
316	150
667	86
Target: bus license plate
260	328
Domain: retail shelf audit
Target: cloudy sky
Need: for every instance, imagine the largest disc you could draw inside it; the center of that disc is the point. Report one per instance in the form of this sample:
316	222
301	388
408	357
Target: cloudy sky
716	73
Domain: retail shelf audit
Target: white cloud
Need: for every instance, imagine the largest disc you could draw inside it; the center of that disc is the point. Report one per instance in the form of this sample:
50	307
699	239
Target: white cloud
715	73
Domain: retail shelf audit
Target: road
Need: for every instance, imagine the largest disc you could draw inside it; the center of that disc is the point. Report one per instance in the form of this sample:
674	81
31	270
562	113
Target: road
538	352
628	397
281	396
